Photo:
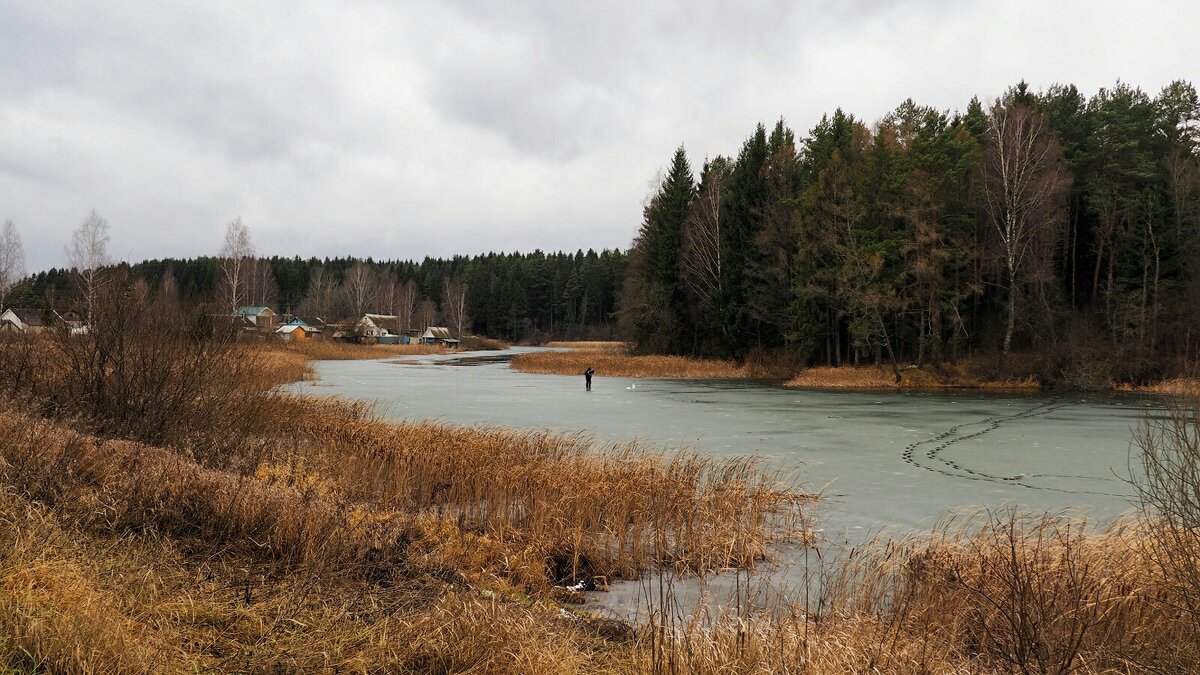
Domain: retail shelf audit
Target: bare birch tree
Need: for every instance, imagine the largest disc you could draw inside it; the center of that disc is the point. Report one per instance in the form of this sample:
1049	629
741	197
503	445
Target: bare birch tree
701	259
1024	183
12	260
426	313
358	288
261	289
235	258
88	255
454	305
318	302
168	286
385	297
406	304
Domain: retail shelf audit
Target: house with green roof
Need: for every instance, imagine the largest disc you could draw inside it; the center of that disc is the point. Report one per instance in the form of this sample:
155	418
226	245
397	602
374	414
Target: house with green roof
264	318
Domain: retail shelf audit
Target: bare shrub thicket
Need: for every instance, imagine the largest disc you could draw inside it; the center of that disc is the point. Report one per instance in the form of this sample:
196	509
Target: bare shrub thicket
1169	486
147	369
163	507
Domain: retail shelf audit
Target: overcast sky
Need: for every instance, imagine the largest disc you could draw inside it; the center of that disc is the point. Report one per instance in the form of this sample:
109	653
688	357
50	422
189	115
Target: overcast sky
405	129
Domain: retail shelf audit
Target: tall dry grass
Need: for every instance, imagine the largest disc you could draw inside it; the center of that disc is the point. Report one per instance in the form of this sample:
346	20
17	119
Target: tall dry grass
285	362
328	350
315	514
323	538
615	362
1015	594
1177	386
74	602
880	377
148	370
589	344
582	509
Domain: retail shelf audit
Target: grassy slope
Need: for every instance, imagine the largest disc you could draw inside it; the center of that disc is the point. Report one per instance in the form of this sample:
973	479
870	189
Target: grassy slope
325	539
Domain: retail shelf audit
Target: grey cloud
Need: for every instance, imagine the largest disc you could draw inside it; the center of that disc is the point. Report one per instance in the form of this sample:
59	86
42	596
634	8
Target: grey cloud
536	107
404	129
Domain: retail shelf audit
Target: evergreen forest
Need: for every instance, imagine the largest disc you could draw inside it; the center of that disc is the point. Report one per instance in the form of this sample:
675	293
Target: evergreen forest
1052	226
1049	227
511	296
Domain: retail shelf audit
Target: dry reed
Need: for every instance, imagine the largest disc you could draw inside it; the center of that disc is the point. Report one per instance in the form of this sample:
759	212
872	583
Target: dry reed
1179	386
328	350
614	362
607	511
881	377
319	511
327	539
1013	594
589	344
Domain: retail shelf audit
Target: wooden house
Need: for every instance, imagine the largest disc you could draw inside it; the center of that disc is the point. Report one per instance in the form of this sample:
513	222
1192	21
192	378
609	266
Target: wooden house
299	329
26	321
263	318
438	335
376	328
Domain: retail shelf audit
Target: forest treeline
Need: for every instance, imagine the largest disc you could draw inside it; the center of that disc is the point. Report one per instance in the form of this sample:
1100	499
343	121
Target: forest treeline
1059	226
513	296
1056	227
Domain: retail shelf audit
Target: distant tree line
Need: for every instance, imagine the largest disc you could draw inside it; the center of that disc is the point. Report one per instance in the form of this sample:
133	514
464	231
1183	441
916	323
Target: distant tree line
1052	224
513	296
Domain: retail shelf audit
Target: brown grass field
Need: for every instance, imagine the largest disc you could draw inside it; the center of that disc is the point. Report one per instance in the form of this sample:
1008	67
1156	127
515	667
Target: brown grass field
163	508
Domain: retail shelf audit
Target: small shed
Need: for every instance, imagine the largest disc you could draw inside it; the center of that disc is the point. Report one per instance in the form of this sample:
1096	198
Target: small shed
293	331
438	335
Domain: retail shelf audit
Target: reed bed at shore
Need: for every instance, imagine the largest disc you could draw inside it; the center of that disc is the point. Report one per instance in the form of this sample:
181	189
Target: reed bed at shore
881	377
231	526
615	362
1179	386
284	362
1014	594
589	344
197	519
328	350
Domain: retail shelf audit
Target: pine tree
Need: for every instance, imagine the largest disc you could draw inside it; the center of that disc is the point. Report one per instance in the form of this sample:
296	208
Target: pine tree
655	310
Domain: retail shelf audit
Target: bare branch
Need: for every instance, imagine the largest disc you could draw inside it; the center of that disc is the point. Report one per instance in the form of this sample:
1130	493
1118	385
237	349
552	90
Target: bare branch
88	255
12	260
235	255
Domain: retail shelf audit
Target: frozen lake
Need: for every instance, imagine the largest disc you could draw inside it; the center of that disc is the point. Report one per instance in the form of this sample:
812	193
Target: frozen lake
882	459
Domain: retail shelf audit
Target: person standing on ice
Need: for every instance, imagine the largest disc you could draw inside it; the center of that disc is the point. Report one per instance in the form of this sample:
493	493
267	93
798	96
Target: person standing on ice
587	378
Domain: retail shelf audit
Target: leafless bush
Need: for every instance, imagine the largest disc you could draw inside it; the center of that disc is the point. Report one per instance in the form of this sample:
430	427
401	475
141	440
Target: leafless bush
1032	592
145	369
1169	487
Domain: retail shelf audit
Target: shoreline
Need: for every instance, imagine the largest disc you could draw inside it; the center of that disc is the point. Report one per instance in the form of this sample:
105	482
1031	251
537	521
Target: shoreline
611	360
357	543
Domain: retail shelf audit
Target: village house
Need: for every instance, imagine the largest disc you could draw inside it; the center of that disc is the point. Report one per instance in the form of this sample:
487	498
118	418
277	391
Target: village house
34	321
263	318
372	328
435	335
299	329
31	321
375	325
